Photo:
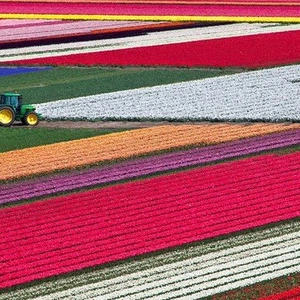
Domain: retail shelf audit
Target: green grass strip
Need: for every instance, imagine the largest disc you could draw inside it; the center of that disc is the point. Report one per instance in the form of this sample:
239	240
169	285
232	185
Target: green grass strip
24	137
69	82
156	259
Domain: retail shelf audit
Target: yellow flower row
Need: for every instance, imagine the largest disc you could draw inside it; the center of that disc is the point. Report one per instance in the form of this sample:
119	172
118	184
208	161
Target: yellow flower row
172	18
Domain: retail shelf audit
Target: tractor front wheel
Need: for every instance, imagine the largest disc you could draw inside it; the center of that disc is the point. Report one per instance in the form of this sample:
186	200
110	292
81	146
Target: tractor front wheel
31	118
7	116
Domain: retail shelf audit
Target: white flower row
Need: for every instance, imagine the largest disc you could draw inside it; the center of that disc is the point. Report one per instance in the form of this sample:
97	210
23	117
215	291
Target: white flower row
200	276
270	94
150	39
133	266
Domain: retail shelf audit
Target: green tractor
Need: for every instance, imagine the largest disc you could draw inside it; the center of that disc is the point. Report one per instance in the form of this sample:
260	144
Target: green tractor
12	109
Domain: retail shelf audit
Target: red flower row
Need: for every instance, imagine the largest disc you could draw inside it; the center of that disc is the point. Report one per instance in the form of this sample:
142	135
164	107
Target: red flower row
292	294
68	233
251	51
158	8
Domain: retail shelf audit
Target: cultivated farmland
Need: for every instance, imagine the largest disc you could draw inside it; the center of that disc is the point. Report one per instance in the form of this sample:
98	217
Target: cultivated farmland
251	96
247	202
181	210
79	153
145	166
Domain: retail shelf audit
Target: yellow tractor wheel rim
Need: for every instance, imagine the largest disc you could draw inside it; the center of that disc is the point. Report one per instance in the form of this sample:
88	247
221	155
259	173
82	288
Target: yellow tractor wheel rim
32	119
6	116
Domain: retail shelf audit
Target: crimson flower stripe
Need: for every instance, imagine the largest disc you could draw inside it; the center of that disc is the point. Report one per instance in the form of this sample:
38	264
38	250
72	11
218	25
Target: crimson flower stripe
92	228
58	241
178	227
133	168
225	2
90	206
144	208
291	294
220	173
67	238
66	264
155	232
149	204
149	209
267	50
144	9
130	266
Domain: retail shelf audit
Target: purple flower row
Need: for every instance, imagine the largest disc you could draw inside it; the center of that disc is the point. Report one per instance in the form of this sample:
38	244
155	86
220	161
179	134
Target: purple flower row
43	186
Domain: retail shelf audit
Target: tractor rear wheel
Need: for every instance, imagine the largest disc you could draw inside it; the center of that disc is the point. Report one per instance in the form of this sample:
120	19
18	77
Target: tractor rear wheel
31	118
7	116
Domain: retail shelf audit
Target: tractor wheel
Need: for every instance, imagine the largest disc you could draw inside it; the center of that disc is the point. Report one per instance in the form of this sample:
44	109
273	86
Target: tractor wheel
7	116
31	118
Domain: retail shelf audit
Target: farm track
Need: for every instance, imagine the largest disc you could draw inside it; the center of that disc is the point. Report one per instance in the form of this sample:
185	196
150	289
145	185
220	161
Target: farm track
132	217
144	166
108	124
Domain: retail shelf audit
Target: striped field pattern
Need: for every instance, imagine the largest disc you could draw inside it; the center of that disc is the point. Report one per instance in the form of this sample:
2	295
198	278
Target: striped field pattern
114	277
250	96
283	11
139	216
22	31
209	46
67	155
206	210
145	166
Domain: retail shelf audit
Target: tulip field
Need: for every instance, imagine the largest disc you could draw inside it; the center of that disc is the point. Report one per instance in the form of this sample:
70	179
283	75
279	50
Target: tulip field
167	162
155	10
246	96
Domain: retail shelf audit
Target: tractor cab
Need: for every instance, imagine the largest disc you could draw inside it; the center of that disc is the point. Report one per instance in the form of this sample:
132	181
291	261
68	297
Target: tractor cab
12	109
11	99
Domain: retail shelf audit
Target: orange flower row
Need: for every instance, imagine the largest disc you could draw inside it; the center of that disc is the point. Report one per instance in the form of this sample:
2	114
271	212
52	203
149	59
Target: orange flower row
72	154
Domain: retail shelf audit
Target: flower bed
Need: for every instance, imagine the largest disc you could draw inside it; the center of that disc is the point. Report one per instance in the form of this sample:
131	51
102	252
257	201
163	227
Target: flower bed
144	166
191	234
9	71
100	226
88	282
250	96
67	155
224	2
151	12
200	276
291	294
267	50
168	37
50	30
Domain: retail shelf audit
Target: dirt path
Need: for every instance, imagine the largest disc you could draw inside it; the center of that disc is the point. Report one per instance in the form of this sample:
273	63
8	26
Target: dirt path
124	124
101	124
127	124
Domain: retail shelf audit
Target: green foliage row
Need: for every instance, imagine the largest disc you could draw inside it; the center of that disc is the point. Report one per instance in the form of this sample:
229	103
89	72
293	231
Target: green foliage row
23	137
68	82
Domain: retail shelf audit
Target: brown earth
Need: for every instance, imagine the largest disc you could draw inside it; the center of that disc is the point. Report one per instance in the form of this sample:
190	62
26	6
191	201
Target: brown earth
101	124
127	124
